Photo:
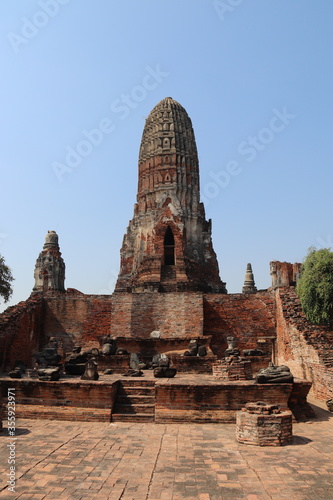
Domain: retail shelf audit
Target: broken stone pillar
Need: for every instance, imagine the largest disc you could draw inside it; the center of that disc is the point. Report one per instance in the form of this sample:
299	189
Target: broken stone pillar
249	284
284	274
263	424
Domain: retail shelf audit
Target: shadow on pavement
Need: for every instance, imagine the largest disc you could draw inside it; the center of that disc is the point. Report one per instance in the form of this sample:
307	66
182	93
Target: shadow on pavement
300	440
321	413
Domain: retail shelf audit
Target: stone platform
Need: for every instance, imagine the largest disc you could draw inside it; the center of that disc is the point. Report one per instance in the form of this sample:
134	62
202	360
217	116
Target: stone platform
86	460
185	398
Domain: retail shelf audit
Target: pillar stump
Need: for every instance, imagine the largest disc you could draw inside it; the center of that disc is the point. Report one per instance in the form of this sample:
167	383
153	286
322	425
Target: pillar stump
263	424
233	368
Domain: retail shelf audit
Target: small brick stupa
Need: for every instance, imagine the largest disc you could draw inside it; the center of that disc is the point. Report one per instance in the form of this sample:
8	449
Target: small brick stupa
249	284
50	267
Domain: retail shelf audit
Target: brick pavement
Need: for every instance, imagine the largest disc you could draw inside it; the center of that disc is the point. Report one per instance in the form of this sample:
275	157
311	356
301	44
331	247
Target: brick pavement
132	461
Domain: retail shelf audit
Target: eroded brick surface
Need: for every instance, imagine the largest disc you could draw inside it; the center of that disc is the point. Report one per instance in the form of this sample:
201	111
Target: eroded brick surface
21	330
174	315
247	317
307	349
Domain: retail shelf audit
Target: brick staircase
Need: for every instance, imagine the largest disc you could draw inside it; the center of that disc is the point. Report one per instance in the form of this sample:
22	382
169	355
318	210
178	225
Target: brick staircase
135	401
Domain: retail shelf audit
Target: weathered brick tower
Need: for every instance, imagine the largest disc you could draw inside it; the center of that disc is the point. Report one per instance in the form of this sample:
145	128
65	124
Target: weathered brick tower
168	245
50	267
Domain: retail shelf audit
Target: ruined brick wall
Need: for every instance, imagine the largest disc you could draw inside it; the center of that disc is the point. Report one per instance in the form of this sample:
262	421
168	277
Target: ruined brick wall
284	273
73	317
181	402
63	400
173	314
20	332
307	349
247	317
77	318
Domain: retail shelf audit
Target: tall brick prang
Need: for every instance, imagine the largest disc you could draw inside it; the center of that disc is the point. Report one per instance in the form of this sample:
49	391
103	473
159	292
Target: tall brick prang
168	245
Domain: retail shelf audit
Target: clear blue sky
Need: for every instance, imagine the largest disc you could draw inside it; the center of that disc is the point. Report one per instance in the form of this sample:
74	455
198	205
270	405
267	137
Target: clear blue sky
254	76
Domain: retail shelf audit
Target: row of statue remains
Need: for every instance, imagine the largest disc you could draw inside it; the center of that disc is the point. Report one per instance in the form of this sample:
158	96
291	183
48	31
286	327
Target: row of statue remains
84	363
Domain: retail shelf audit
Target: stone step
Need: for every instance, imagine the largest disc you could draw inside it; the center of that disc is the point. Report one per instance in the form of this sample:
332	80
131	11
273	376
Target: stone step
143	391
137	382
137	408
135	417
135	399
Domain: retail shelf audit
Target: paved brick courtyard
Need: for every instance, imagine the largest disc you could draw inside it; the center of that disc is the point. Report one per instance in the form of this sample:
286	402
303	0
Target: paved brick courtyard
125	461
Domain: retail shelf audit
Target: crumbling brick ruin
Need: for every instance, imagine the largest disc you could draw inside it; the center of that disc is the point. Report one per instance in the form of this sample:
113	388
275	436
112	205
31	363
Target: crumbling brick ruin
169	281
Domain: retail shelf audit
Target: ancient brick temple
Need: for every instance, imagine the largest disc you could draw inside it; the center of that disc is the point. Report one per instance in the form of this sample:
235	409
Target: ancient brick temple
169	290
168	245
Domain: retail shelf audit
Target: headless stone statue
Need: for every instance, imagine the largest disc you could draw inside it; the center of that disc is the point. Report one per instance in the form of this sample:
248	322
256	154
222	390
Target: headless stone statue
48	357
109	345
231	349
164	372
195	349
134	361
90	372
160	360
253	352
274	375
49	374
161	366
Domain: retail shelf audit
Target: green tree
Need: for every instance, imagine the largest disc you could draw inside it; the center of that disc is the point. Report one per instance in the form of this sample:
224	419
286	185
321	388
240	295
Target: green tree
315	286
6	278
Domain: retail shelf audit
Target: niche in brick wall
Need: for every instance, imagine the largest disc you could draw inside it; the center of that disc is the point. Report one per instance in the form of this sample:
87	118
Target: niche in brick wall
169	248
